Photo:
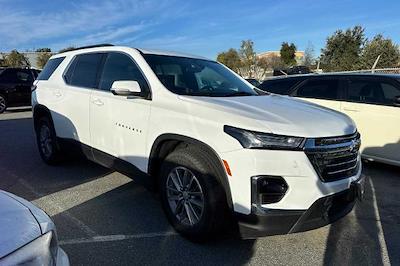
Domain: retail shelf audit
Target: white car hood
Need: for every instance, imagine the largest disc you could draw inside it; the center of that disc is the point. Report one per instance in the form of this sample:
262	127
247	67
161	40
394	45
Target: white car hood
279	115
18	226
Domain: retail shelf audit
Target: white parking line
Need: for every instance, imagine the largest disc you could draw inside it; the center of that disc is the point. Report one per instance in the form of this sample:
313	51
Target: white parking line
111	238
73	219
381	237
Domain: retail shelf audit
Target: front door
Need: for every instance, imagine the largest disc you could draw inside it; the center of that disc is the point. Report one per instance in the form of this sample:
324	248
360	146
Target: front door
323	91
118	124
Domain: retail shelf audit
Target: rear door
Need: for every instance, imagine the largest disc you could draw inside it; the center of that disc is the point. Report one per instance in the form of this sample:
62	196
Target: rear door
370	103
70	104
325	91
118	124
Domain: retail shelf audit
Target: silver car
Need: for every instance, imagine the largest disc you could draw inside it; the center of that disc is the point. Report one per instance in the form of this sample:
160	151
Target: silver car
27	234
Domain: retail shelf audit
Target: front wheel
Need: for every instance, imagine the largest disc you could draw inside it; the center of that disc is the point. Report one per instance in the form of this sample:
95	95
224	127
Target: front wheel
191	195
3	104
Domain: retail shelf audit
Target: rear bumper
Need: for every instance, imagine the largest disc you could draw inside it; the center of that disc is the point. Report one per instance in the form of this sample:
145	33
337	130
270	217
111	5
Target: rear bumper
326	210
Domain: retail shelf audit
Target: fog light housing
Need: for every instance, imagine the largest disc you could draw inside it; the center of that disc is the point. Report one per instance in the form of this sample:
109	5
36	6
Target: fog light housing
267	189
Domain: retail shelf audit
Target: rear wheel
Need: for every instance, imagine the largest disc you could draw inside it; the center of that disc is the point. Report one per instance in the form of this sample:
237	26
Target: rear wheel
191	195
3	104
47	142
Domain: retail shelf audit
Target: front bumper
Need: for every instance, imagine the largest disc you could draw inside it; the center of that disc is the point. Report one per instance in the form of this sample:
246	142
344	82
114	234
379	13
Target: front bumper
62	258
326	210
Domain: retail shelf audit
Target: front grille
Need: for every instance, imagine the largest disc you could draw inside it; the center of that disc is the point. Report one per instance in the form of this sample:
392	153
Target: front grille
334	158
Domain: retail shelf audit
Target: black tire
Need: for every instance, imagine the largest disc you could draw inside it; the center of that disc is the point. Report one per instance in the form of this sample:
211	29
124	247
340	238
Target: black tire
3	104
49	149
214	214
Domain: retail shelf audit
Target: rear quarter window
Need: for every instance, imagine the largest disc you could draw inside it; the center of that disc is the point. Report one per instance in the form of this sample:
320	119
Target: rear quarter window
49	68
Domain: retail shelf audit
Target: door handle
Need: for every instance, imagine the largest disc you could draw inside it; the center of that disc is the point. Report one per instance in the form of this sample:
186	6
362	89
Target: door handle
98	102
57	94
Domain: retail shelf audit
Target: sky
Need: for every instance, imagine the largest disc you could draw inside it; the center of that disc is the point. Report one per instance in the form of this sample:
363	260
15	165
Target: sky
202	27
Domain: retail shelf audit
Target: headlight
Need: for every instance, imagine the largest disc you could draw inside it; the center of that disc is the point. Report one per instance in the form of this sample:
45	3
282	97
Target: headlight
257	140
41	251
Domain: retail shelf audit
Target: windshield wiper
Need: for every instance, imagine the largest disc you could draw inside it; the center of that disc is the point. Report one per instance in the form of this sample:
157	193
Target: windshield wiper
239	93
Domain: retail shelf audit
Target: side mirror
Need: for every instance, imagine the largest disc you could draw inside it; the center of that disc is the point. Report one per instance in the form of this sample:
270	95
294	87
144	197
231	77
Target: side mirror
126	88
397	101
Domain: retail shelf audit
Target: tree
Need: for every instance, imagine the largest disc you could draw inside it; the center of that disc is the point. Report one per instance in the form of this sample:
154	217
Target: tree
248	58
69	48
16	59
343	50
43	50
43	57
309	58
288	54
390	53
230	59
2	60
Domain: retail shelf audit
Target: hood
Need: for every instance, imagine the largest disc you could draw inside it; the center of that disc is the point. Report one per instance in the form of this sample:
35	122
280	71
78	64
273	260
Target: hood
281	115
17	225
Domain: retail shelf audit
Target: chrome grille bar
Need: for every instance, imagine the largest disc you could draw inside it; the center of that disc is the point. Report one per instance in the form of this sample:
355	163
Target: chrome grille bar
334	158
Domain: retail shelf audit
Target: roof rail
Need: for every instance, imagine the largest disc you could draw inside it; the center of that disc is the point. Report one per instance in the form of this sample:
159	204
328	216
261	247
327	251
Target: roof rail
91	46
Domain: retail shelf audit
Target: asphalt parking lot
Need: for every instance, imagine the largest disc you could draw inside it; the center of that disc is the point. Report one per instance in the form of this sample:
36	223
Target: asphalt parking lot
104	218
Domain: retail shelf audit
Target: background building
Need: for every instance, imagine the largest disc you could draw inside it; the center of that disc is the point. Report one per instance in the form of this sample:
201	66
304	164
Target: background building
269	54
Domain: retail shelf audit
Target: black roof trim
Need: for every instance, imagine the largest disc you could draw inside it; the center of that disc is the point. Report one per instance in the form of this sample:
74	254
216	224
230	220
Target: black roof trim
91	46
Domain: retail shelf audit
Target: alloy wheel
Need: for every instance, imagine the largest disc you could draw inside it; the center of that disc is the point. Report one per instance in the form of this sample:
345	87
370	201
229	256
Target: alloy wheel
45	141
185	196
2	104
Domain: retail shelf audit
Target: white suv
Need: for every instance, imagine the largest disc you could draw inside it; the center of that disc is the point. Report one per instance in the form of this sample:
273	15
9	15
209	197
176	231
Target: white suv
214	146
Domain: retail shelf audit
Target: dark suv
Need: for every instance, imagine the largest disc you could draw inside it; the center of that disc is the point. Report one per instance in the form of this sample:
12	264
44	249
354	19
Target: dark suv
15	87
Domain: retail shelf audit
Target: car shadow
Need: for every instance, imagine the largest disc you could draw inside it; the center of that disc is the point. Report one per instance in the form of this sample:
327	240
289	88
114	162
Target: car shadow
127	209
373	225
22	170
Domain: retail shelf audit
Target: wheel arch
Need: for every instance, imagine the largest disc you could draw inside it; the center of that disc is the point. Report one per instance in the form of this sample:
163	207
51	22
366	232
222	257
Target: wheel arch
166	143
38	112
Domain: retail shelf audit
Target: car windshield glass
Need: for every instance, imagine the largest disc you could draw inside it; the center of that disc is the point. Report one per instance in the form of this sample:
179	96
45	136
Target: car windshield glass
190	76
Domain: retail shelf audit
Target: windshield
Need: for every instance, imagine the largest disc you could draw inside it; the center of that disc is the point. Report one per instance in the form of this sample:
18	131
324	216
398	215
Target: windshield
190	76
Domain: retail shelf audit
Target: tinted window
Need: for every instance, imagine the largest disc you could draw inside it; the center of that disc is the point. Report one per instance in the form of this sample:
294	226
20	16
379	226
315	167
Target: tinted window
281	86
319	89
120	67
70	71
191	76
9	75
24	76
49	68
372	91
85	71
390	92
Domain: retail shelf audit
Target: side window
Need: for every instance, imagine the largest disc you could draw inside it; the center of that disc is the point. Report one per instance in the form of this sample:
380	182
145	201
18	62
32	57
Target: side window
370	91
49	68
119	66
84	72
279	86
24	76
9	76
390	92
320	89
